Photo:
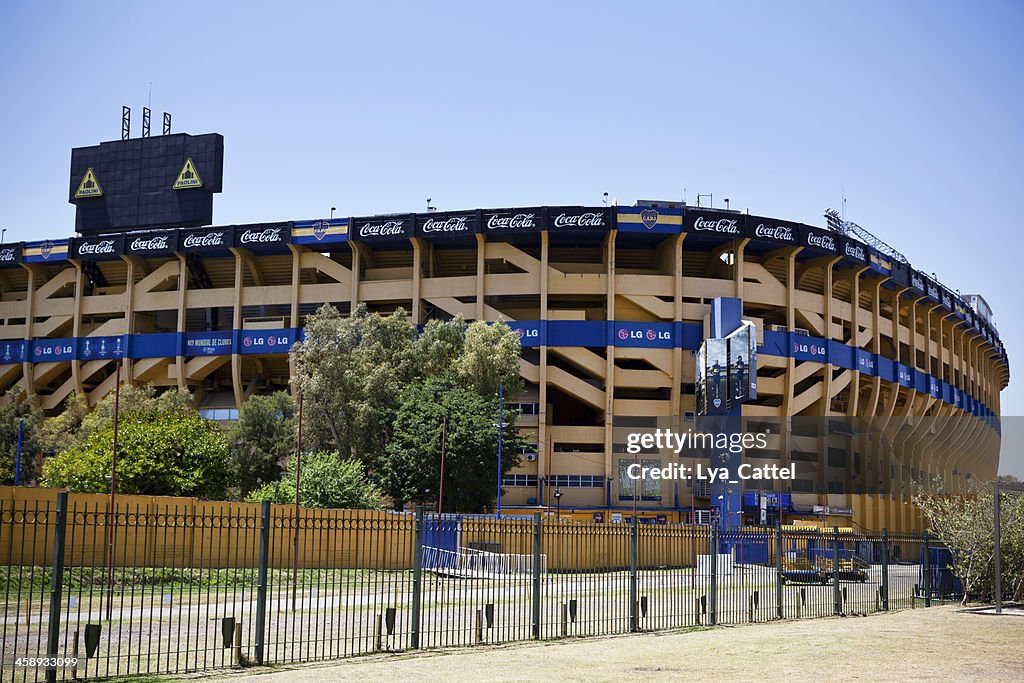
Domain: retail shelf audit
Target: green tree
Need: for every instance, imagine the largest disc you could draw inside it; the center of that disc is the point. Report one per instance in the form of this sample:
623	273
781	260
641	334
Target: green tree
411	471
15	406
262	439
326	481
966	524
351	372
489	358
77	422
164	448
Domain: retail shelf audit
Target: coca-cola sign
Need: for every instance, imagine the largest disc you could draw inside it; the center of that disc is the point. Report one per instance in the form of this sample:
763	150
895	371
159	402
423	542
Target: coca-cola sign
779	233
820	240
156	243
101	247
588	219
578	218
855	251
256	236
10	254
380	228
446	226
729	226
209	239
94	248
453	224
512	220
261	236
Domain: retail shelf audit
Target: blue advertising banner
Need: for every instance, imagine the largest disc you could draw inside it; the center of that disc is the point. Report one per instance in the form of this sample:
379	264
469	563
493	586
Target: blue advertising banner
688	335
904	375
208	343
886	369
576	333
323	231
648	219
159	345
775	343
866	362
50	350
841	355
812	349
265	341
530	332
13	352
101	348
46	251
879	262
641	335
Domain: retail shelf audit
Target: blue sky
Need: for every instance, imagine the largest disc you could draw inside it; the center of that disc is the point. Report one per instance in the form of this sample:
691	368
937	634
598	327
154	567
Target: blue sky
913	107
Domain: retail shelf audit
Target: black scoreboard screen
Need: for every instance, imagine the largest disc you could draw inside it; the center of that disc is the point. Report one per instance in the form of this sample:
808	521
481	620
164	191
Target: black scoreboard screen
144	183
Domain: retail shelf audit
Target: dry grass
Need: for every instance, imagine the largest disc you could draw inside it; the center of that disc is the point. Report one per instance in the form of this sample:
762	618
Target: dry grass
940	643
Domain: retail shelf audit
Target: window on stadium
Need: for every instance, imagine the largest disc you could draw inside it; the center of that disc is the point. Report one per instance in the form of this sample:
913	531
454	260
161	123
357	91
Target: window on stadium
578	481
520	480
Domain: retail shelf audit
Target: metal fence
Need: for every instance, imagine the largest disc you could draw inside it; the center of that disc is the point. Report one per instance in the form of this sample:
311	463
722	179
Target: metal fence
94	593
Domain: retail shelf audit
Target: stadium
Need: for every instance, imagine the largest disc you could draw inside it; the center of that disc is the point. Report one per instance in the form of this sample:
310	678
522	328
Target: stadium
610	303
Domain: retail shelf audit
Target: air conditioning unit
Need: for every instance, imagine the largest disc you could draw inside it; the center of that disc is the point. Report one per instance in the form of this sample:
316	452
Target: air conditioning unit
800	330
530	457
778	328
688	415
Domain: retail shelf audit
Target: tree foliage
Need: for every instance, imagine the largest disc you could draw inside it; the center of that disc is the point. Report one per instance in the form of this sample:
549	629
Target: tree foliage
411	470
164	448
15	406
262	439
326	481
966	524
352	372
77	422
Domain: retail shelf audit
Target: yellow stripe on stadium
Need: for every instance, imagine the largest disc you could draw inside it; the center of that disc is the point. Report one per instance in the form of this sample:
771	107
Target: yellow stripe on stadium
663	219
308	232
57	250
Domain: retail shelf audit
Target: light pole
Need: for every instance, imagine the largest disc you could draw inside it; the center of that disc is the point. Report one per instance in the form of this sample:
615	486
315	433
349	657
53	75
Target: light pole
440	487
333	209
113	491
501	428
558	504
17	458
3	233
298	472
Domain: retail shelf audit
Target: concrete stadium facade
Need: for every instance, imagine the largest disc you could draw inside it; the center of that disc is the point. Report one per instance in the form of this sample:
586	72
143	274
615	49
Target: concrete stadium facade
609	302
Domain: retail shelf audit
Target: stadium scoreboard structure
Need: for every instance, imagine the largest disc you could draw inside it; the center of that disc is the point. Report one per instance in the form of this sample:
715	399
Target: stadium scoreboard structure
610	304
144	183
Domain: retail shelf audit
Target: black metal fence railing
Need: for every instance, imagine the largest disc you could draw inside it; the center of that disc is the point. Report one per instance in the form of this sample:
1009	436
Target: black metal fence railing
92	593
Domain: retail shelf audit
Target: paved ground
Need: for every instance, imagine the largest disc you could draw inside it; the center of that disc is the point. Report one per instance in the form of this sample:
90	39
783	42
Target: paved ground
940	643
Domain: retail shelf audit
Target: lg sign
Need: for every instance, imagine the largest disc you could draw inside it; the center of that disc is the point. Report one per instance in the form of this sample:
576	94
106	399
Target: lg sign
649	335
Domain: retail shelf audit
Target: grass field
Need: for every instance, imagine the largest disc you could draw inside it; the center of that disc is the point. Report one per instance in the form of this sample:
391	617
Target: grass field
940	643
